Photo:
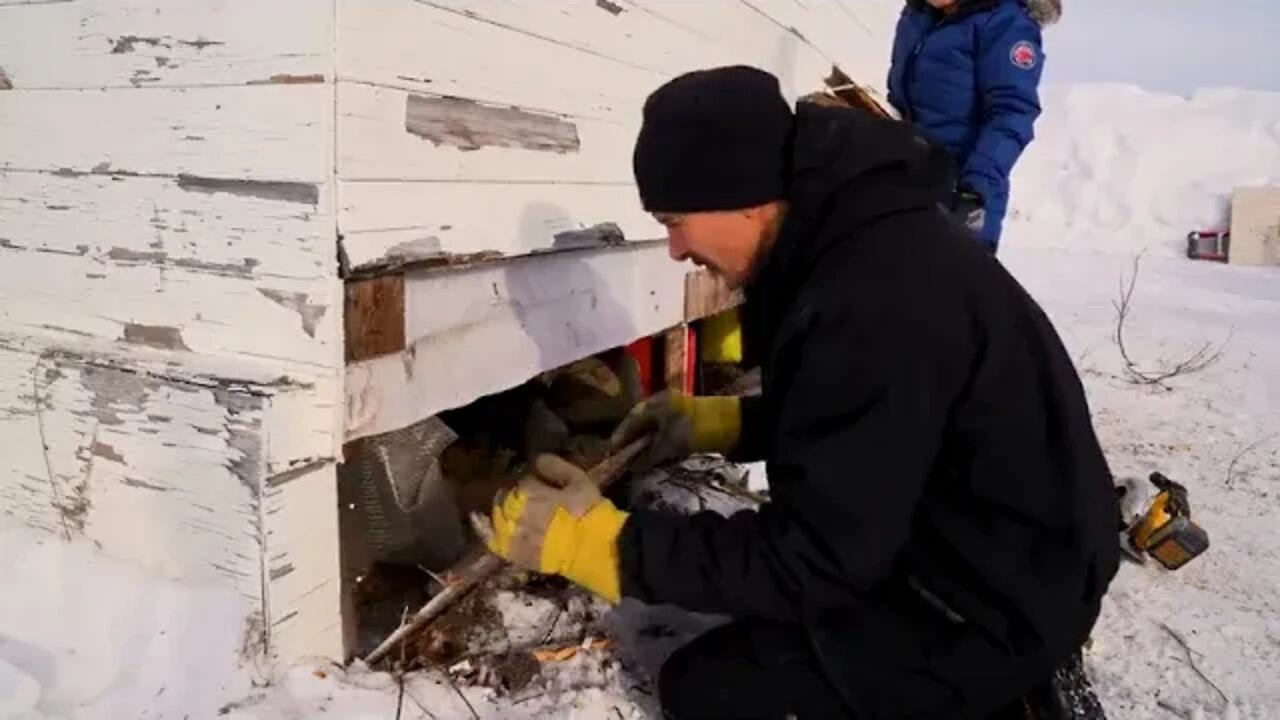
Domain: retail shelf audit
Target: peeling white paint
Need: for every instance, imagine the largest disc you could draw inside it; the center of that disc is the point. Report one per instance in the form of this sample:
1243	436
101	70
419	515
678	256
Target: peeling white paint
114	222
382	43
373	144
401	192
462	219
154	43
122	220
303	592
170	311
169	469
212	314
605	63
267	133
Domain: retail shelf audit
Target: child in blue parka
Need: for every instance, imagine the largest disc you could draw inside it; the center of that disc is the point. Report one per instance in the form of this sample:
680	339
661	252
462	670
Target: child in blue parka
967	73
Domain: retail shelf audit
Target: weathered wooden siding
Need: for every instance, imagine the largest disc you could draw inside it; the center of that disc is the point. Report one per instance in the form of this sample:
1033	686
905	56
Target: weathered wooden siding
170	311
118	220
441	99
154	43
391	222
178	467
475	130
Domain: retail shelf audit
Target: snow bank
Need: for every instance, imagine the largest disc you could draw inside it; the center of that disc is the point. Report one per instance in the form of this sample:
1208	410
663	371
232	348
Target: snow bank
83	636
1119	169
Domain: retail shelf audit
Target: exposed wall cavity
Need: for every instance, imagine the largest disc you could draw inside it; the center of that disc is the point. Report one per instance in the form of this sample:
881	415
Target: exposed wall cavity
468	125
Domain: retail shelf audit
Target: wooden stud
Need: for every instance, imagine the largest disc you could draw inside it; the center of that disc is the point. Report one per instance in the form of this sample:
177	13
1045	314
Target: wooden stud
852	93
675	344
706	294
374	317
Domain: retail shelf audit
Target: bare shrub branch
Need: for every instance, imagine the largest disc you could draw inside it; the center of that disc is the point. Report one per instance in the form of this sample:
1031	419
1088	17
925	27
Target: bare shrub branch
1231	469
1203	357
1191	662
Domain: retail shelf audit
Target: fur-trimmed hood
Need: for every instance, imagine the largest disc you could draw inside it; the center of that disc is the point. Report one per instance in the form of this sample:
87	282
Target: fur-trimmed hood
1045	12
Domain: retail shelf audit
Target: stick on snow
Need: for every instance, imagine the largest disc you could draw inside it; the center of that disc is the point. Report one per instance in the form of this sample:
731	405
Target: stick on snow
488	564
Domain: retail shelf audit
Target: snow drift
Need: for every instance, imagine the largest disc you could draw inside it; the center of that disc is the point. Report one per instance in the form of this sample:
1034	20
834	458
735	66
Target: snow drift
1114	170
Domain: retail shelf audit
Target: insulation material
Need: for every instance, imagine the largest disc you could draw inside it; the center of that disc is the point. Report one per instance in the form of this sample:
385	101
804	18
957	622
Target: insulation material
404	507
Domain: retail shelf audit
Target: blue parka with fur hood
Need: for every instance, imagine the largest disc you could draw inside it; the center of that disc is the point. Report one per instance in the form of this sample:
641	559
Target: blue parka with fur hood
969	79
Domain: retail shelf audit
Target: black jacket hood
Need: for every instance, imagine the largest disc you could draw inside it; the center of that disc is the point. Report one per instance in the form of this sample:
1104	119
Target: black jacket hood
849	168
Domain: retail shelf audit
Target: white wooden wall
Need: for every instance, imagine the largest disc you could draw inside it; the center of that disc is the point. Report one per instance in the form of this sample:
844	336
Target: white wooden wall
500	127
506	68
182	183
170	312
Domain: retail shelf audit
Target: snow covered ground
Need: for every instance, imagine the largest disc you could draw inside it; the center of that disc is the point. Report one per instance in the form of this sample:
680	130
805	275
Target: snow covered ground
1115	172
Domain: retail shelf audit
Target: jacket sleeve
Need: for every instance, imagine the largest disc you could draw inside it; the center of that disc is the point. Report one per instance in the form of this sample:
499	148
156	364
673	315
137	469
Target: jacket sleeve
1009	66
897	59
752	436
859	432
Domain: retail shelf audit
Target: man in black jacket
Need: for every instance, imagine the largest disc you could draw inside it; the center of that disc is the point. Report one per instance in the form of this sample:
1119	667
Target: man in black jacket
942	524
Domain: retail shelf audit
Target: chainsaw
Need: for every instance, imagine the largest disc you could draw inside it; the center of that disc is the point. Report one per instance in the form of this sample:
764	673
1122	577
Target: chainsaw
1157	522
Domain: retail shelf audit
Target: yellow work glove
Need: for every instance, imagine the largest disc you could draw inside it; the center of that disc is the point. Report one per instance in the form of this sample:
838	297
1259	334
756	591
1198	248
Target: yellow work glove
556	522
680	425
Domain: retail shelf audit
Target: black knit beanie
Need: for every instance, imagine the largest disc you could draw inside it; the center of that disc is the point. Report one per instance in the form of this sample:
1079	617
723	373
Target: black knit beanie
713	140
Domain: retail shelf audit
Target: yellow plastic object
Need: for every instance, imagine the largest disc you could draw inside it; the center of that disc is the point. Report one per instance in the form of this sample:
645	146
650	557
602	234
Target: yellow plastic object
1157	517
1166	531
720	338
1179	543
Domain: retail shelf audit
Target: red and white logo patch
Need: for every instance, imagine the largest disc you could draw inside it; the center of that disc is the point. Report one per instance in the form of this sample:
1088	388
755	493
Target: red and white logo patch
1024	55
